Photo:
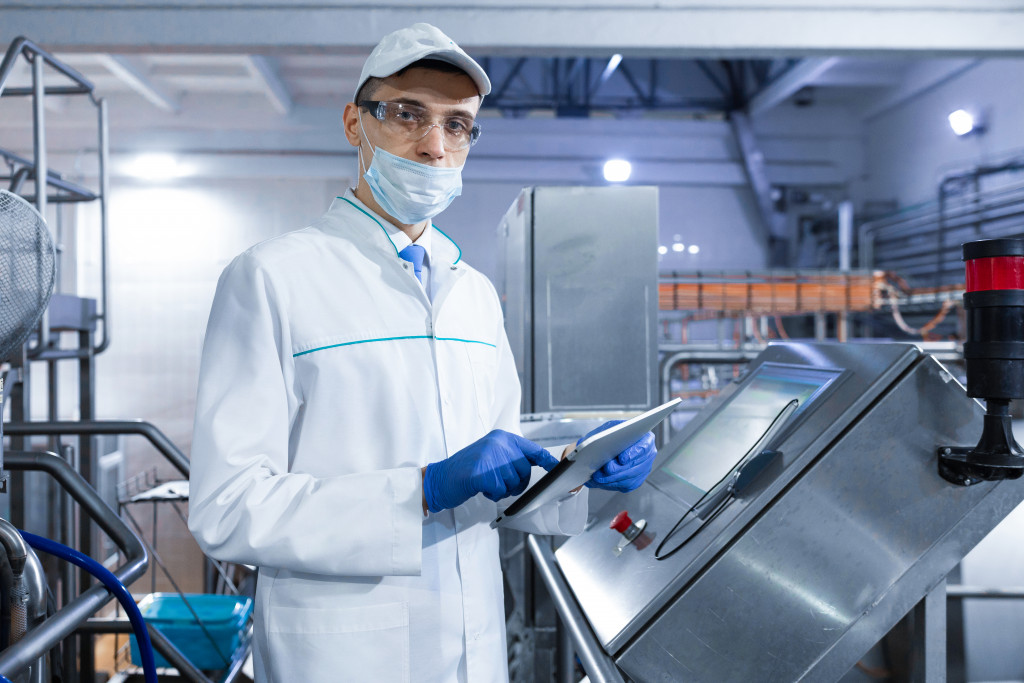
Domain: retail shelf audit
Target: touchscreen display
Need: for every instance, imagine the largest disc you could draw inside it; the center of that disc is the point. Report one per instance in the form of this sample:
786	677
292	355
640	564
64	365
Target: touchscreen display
724	439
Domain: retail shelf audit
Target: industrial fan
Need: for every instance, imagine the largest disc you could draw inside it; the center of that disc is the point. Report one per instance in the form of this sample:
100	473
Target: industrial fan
27	271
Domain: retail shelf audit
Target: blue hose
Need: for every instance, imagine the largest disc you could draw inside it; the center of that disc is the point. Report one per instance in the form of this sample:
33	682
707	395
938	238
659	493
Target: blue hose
107	578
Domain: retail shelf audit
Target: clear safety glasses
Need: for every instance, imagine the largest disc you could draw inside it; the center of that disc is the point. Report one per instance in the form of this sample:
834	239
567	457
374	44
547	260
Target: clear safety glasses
413	122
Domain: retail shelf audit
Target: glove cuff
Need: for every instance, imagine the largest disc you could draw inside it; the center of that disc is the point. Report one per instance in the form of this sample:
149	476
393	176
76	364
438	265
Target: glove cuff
430	477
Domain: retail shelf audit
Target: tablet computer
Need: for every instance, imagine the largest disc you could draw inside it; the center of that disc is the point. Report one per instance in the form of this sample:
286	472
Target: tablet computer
588	457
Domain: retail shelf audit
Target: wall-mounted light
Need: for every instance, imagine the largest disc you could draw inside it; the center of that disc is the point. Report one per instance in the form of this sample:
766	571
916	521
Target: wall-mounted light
662	250
617	170
156	167
693	249
964	122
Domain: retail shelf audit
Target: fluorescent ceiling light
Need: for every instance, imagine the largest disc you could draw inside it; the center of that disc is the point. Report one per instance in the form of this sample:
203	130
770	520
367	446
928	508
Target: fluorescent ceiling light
961	121
157	167
617	170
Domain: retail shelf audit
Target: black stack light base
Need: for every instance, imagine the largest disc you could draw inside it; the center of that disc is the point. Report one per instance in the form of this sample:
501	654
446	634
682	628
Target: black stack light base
994	357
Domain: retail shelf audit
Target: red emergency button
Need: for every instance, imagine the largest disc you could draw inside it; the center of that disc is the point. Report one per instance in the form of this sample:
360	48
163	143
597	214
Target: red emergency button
621	522
630	531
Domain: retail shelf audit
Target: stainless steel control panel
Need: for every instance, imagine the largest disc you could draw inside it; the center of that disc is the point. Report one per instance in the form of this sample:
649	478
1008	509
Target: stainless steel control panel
826	549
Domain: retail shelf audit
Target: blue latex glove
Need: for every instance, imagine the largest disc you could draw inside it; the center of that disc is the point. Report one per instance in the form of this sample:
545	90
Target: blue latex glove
628	469
497	465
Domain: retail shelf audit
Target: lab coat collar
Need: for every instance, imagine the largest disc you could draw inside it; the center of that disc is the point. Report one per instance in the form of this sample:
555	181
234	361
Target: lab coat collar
443	250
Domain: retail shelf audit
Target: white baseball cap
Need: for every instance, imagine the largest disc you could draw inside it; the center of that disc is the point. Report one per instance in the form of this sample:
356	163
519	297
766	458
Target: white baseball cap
399	49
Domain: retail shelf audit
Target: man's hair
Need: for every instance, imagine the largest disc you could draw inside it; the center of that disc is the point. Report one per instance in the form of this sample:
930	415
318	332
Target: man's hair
370	87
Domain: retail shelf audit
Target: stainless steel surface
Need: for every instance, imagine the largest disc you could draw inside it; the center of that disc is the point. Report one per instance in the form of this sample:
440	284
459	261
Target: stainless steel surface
961	592
104	168
642	585
566	655
15	547
35	579
54	629
23	46
41	169
931	639
845	233
676	354
585	327
595	297
515	285
854	544
597	665
39	134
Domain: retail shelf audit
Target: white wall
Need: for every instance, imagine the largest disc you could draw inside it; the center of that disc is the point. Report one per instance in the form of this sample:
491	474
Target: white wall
909	148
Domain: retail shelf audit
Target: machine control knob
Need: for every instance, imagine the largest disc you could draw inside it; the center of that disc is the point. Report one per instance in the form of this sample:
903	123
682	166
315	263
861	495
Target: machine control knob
621	522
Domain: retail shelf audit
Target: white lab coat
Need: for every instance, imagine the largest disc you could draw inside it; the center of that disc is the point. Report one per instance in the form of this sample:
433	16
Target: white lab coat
328	380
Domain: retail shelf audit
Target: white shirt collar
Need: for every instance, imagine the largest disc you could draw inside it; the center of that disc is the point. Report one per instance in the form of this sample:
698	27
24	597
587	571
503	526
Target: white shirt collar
398	238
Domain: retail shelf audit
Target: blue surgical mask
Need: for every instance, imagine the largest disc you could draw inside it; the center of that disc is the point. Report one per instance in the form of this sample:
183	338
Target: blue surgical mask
408	190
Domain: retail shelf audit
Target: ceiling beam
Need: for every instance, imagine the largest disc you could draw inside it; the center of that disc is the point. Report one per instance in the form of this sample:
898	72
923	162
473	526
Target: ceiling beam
271	83
919	79
134	76
800	75
636	28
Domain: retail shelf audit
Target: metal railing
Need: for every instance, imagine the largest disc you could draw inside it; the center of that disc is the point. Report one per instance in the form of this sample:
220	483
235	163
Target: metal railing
147	430
923	244
596	663
64	622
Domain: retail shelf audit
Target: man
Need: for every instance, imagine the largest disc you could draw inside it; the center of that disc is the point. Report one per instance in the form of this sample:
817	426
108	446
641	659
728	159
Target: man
358	408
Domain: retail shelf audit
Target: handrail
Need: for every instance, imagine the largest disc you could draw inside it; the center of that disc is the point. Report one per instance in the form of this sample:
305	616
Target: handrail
697	354
53	179
20	45
157	438
63	623
597	665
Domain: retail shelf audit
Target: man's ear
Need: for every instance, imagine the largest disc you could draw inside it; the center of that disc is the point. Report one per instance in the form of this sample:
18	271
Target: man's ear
350	122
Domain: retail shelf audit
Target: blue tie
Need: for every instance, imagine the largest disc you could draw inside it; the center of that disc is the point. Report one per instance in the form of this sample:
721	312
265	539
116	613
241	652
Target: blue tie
414	254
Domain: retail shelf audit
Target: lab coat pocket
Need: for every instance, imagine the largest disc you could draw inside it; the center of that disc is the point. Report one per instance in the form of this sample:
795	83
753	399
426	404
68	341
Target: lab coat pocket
484	364
365	643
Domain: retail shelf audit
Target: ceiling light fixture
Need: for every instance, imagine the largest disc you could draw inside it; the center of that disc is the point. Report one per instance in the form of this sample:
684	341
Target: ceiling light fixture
964	122
156	167
617	170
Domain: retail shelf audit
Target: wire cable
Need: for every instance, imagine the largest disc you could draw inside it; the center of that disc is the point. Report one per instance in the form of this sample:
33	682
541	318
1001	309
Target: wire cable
757	446
112	584
707	520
